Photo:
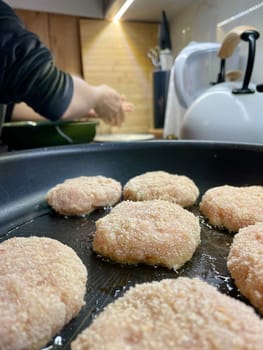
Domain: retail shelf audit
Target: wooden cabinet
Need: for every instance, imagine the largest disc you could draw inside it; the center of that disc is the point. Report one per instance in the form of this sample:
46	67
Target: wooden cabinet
60	33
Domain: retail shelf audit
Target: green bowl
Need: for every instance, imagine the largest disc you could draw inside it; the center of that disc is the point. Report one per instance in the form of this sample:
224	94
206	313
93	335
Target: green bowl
30	134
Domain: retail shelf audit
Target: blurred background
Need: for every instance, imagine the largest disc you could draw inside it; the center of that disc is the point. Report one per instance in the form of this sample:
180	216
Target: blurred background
85	41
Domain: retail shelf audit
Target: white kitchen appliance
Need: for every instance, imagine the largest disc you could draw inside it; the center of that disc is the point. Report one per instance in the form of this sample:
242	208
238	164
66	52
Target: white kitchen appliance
228	111
194	71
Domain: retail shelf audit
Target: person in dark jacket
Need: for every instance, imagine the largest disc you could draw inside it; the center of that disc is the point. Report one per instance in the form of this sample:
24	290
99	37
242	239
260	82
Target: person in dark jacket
29	75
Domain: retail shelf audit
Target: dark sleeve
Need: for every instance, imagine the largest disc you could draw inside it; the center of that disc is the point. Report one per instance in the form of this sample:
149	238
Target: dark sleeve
9	112
27	70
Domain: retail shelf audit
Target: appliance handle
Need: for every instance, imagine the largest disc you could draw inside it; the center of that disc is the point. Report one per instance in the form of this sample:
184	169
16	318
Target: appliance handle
232	40
250	36
228	46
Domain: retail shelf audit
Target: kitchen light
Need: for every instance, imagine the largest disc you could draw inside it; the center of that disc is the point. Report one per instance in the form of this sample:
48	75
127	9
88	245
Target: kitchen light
122	10
240	14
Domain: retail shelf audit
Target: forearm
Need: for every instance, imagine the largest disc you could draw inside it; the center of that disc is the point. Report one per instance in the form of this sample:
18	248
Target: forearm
84	98
105	101
22	111
87	101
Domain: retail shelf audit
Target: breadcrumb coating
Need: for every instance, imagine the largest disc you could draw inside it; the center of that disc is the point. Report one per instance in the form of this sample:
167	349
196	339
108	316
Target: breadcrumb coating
84	194
174	188
233	207
245	263
174	314
42	287
153	232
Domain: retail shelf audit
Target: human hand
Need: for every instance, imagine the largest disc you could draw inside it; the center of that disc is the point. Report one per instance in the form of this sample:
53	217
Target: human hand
111	106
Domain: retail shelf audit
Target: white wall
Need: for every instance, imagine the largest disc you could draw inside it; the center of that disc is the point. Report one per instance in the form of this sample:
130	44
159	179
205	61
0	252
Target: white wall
253	18
84	8
198	21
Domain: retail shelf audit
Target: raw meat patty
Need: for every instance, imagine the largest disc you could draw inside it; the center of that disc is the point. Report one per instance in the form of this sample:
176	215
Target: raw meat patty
161	185
82	195
42	287
174	314
233	207
245	263
153	232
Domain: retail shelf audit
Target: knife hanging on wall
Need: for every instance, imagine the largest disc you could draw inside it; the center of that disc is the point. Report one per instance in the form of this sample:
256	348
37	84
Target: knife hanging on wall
164	39
164	42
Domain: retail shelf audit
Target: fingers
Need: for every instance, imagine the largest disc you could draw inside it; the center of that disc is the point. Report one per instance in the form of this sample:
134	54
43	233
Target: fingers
128	106
92	113
120	117
116	119
111	106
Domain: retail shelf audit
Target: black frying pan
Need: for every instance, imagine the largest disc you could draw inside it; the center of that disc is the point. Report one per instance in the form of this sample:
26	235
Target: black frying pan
26	176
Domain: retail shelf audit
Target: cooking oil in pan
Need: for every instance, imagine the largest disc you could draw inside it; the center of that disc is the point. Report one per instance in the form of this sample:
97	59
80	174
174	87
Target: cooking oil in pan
57	344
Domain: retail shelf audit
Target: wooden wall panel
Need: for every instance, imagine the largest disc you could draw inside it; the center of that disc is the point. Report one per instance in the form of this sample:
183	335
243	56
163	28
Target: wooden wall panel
116	54
60	33
36	22
65	42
